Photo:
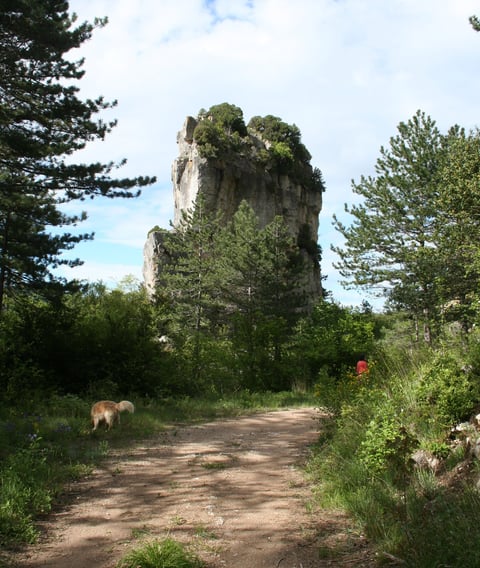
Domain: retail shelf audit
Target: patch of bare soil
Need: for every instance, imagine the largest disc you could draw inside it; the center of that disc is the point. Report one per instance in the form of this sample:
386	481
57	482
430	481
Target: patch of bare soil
233	489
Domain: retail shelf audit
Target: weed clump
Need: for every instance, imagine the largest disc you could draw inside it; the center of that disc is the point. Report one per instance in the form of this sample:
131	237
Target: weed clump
167	553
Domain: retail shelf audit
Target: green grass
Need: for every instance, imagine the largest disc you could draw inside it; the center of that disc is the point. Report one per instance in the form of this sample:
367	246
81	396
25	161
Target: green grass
443	530
167	553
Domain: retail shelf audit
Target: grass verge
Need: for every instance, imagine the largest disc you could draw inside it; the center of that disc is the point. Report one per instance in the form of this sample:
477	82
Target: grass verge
413	516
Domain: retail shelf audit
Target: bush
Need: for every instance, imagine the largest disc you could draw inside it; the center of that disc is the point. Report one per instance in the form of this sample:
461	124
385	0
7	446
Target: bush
388	446
447	391
227	117
220	130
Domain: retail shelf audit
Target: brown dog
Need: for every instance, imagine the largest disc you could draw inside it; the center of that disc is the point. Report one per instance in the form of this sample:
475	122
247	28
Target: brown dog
109	412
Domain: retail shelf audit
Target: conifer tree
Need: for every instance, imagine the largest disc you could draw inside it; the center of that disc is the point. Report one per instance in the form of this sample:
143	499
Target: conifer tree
43	123
188	288
262	280
458	226
232	293
391	245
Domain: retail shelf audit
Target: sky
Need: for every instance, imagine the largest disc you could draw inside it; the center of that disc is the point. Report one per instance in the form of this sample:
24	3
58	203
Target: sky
346	72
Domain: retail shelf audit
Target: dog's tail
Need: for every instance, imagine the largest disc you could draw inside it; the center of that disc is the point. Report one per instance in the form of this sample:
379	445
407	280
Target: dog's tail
125	405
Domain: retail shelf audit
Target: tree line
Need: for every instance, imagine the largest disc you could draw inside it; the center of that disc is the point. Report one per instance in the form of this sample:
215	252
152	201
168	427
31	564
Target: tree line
229	315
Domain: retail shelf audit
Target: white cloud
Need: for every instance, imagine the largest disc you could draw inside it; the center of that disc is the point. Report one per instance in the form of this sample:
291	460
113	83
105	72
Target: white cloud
346	72
108	273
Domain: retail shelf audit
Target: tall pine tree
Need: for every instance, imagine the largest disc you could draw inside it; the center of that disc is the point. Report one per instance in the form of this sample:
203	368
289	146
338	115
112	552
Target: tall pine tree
231	294
458	227
42	123
262	280
189	292
390	246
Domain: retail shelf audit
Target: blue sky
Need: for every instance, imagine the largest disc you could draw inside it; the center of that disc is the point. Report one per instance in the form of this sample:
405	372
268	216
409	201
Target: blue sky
346	72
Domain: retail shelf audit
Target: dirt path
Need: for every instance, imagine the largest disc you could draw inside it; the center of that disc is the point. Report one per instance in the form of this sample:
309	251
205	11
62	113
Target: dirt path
233	488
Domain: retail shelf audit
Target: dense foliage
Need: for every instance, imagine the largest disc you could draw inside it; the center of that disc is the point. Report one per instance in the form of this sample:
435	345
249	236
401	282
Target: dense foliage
231	297
415	511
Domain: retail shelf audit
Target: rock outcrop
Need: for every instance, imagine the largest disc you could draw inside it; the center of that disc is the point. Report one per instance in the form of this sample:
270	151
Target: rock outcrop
154	255
228	178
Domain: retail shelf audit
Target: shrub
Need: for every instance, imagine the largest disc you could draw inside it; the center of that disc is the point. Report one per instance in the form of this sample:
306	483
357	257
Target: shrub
220	130
227	117
447	389
388	446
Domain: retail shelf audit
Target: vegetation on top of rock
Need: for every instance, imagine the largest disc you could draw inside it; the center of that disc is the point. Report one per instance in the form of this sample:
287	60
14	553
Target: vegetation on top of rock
158	229
226	116
221	132
284	140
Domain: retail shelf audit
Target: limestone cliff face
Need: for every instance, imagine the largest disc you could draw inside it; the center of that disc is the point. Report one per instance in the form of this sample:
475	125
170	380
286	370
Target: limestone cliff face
225	182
